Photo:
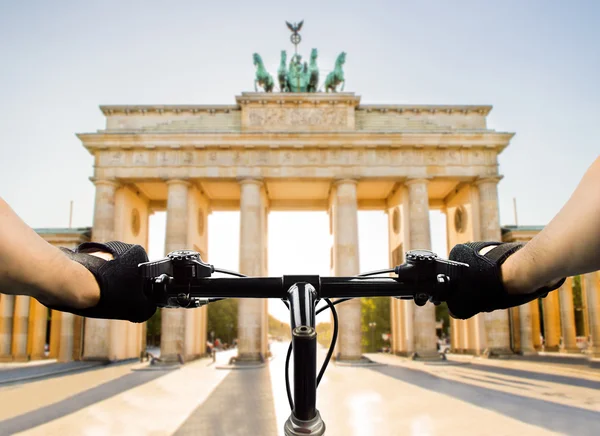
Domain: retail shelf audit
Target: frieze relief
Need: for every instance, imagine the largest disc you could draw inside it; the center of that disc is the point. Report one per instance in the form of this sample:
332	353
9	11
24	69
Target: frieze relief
296	157
272	118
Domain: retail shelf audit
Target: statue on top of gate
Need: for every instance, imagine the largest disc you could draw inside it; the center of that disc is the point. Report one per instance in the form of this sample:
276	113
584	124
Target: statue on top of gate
298	76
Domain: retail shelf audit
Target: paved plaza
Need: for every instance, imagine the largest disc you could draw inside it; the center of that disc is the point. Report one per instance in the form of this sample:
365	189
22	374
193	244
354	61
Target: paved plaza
464	395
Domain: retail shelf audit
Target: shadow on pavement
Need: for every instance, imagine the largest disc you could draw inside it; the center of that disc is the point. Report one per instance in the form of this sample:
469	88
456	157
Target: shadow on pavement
533	375
242	404
77	402
541	413
31	373
10	376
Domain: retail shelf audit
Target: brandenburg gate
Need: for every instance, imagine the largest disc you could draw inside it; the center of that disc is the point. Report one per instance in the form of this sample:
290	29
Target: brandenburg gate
303	148
296	151
306	147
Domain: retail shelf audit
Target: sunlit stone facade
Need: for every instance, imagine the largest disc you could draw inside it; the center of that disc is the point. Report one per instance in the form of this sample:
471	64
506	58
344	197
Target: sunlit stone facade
290	152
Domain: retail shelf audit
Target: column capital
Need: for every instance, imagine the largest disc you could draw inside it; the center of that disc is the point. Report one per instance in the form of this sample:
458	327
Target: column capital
178	182
247	181
110	182
345	181
488	179
411	181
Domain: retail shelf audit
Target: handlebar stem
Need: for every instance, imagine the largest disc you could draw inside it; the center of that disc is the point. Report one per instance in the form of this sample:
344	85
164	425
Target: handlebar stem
303	297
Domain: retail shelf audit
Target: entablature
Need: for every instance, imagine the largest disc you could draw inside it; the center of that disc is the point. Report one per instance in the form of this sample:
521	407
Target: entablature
297	140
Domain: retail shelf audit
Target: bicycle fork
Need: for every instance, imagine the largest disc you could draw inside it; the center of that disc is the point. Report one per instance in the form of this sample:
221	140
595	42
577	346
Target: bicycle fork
305	418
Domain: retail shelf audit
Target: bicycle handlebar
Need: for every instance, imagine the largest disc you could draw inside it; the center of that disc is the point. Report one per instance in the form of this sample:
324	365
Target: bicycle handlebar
182	279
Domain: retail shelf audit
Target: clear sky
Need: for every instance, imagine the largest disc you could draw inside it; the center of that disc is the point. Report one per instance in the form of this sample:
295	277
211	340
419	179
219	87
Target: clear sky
536	62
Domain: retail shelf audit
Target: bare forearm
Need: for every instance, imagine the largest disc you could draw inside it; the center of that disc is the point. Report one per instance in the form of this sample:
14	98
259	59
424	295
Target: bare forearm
31	266
568	245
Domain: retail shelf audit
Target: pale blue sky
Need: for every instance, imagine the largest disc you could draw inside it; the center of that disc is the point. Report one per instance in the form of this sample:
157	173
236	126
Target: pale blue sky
536	62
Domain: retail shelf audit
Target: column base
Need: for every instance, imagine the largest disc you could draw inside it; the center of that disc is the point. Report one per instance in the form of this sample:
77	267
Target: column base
427	356
497	353
39	357
528	353
248	357
245	361
354	361
467	351
341	358
171	359
570	350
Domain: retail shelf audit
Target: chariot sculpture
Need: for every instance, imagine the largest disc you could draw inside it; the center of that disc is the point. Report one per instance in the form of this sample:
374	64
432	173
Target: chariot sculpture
299	76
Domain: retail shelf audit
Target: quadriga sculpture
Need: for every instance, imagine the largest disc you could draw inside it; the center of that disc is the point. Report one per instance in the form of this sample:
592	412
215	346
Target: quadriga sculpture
263	78
337	75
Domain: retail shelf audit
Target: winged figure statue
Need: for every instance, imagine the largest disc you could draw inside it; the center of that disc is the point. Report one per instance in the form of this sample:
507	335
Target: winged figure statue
296	27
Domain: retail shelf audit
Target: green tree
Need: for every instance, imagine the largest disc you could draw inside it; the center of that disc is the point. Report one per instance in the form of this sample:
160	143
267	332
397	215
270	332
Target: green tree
375	310
279	329
442	314
223	320
153	329
324	332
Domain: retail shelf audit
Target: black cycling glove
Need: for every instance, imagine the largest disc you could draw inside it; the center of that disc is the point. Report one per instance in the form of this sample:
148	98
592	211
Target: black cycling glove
121	292
481	288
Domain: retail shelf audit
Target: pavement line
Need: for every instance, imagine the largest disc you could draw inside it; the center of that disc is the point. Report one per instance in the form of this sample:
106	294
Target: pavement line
157	407
18	399
582	371
367	401
77	402
241	403
549	385
29	374
542	413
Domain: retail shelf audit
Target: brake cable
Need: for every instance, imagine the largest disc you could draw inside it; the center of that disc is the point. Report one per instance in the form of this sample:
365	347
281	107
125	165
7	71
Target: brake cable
331	306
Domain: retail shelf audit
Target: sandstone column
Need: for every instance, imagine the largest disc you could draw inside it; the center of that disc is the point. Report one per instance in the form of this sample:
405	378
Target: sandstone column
526	329
551	321
173	320
97	331
104	211
591	284
584	309
55	318
397	228
65	348
454	335
20	327
567	316
535	329
7	307
496	322
38	324
252	241
425	339
344	210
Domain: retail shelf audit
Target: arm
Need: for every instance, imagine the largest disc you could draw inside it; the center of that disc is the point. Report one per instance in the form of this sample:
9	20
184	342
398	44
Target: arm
31	266
568	246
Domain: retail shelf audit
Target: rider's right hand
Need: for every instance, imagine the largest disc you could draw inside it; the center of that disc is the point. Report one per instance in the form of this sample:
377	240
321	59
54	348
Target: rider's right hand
121	291
480	288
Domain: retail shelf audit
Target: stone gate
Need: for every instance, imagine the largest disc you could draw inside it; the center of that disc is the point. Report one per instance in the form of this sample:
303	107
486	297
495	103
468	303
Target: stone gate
296	152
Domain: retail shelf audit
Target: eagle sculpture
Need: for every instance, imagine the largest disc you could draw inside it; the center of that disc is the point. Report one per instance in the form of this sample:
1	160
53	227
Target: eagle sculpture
296	27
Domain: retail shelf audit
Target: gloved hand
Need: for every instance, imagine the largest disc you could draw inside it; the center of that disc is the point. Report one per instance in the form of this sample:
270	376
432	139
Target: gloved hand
481	288
121	294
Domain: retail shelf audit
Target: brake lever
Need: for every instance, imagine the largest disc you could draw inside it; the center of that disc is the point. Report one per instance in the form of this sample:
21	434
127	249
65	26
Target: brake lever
431	275
181	266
